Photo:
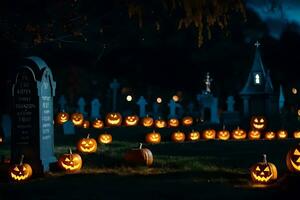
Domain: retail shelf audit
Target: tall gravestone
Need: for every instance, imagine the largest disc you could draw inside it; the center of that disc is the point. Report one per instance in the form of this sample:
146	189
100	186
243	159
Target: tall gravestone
95	109
32	115
142	106
62	103
81	106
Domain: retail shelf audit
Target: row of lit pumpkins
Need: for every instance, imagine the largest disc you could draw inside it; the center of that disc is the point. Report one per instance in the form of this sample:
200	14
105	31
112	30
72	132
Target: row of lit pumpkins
116	119
262	172
238	134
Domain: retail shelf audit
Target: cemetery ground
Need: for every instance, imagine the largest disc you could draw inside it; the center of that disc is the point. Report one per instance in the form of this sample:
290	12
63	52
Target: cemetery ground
190	170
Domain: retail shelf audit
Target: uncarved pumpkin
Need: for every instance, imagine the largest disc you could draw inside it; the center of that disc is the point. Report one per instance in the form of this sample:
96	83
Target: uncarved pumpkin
140	156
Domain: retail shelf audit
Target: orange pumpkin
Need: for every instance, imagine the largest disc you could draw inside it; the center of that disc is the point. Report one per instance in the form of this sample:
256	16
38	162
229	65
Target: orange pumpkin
131	120
98	124
147	121
153	137
140	156
70	162
173	122
187	121
293	159
113	119
20	172
62	117
194	135
105	138
239	134
87	145
270	135
160	123
282	134
258	122
254	135
77	119
223	134
178	136
297	134
209	134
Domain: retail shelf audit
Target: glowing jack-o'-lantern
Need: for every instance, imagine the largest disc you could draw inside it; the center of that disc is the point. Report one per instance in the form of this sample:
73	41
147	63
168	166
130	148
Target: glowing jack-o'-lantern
209	134
87	145
77	119
173	122
270	135
105	138
98	124
297	134
263	172
147	121
70	162
293	159
223	134
153	137
62	117
178	136
258	122
113	119
187	121
131	120
239	134
194	135
85	124
282	134
141	156
21	171
160	123
254	135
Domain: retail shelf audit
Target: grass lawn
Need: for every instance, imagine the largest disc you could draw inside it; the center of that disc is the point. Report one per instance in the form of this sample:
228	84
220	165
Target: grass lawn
190	170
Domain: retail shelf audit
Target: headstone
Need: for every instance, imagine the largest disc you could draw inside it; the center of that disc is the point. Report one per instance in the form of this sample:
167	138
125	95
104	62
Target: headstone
155	110
81	106
210	103
95	109
62	103
142	106
191	107
172	107
68	128
6	126
114	86
230	104
32	115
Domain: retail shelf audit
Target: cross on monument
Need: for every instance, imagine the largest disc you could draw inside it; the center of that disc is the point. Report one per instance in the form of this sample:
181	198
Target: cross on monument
114	86
257	44
207	82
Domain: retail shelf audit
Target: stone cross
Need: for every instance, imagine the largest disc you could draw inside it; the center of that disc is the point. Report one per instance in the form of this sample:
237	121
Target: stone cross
172	106
114	86
257	44
62	103
230	104
95	108
81	106
142	105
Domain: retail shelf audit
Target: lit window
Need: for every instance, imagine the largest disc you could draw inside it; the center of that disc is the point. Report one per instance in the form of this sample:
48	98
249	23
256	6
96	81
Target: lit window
257	79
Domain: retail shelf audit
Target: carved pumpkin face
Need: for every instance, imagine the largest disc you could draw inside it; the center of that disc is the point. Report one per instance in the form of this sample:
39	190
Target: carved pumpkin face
20	172
87	145
187	121
263	172
282	134
239	134
223	135
147	121
97	123
258	122
131	120
297	134
209	134
113	119
194	135
70	162
293	159
153	138
178	136
173	122
254	135
160	123
105	138
77	119
62	117
85	124
270	135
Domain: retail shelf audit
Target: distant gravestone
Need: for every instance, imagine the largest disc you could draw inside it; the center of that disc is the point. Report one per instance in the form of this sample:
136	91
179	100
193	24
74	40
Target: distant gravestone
32	115
68	128
114	86
155	110
6	126
95	109
81	106
142	105
172	107
190	108
62	103
230	104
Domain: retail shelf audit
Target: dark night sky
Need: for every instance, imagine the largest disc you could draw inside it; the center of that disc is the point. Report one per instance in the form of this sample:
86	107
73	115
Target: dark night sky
165	61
